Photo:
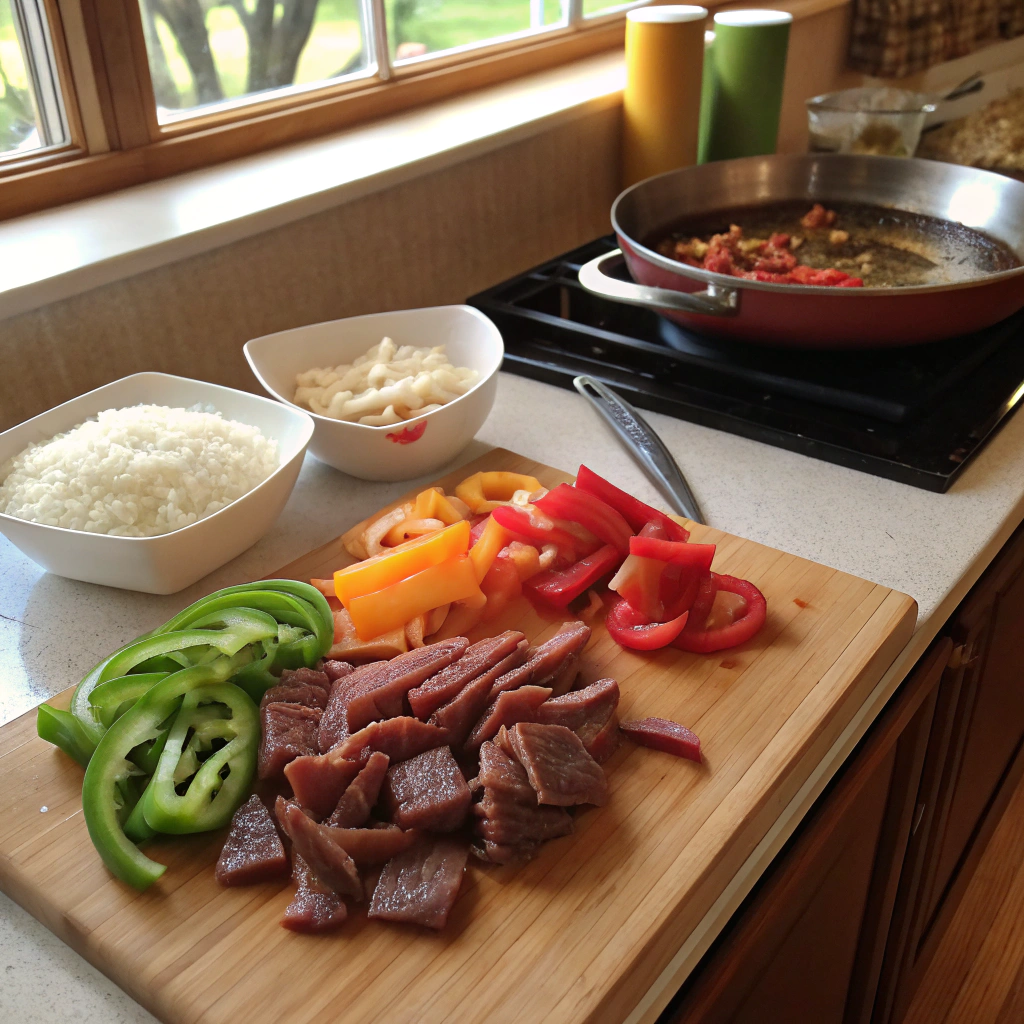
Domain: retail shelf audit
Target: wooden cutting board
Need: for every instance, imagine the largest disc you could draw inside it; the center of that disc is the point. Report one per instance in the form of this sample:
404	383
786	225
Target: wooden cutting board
580	933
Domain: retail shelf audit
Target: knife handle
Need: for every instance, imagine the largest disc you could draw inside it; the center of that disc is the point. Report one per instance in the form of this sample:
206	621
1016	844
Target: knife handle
644	445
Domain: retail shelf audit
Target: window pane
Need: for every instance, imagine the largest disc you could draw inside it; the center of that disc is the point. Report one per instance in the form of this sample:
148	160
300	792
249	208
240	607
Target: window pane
592	7
418	27
203	53
31	108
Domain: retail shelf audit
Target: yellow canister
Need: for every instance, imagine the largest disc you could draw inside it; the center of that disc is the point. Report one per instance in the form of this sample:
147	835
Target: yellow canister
661	104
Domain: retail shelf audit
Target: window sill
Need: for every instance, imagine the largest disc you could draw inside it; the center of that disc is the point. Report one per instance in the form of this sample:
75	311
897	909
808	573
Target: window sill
62	252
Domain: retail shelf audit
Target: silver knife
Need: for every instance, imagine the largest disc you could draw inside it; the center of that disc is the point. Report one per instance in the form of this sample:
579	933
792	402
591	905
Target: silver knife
643	444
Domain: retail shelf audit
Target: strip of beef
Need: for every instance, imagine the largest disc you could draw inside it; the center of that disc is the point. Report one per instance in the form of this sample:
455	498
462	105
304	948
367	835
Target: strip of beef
253	851
586	712
511	706
288	731
562	681
378	691
353	808
315	907
446	684
606	742
508	820
461	713
399	738
545	662
334	669
327	859
319	780
300	686
428	791
420	886
558	766
662	734
501	774
334	724
505	821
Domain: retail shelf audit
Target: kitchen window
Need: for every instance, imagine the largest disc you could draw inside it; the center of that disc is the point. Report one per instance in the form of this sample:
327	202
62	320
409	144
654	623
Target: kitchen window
101	94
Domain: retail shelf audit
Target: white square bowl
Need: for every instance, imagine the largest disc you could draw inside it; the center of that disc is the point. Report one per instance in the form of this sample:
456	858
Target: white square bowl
167	563
419	445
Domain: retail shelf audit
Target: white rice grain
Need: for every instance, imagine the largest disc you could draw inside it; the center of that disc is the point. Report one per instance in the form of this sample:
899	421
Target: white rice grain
137	472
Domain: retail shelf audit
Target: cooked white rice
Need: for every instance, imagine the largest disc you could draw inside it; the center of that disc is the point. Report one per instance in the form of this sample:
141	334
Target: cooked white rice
137	472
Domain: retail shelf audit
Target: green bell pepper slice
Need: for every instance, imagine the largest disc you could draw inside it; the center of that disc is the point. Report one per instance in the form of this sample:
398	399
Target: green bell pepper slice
217	779
109	700
109	768
227	631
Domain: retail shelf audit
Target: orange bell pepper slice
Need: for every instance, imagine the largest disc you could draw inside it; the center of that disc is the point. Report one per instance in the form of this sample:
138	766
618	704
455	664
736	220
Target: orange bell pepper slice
486	549
393	606
433	504
484	492
374	574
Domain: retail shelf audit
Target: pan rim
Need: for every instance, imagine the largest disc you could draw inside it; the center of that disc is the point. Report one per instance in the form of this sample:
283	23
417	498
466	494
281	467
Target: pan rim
708	277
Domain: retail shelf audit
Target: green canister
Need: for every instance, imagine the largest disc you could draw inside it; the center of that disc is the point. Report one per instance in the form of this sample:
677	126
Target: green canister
744	70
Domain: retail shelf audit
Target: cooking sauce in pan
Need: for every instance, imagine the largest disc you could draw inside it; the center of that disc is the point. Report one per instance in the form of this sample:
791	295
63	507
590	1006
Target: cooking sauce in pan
885	247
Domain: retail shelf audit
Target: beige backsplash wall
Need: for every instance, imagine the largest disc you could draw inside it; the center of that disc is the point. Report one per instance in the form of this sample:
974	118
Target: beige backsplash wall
436	239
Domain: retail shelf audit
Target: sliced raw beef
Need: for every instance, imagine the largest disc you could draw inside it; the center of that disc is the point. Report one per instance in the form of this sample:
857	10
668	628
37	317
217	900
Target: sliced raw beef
334	724
587	712
315	907
318	781
378	691
399	738
500	773
558	766
512	706
253	851
545	662
353	808
288	731
461	713
300	686
661	734
335	670
428	791
606	742
420	885
561	682
448	683
508	820
314	843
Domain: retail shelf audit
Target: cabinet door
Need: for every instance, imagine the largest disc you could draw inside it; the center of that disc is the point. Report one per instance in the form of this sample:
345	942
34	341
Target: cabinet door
789	953
973	761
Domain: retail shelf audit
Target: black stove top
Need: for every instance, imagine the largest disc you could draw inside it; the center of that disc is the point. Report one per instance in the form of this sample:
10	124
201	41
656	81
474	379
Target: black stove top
915	415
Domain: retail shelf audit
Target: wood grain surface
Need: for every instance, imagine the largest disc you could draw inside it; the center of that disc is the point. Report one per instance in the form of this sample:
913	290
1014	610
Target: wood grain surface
580	933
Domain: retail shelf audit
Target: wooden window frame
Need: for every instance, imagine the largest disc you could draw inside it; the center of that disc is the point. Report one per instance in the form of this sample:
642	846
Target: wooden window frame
117	141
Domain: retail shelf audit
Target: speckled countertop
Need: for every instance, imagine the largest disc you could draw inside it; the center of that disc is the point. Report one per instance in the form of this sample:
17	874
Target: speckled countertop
930	546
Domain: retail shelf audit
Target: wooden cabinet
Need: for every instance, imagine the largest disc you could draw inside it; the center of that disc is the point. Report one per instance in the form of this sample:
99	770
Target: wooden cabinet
973	763
844	923
795	950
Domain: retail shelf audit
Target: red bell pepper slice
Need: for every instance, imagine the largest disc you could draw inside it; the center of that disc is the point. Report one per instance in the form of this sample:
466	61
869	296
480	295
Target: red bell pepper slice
639	581
595	515
689	556
560	586
634	511
535	528
700	638
629	628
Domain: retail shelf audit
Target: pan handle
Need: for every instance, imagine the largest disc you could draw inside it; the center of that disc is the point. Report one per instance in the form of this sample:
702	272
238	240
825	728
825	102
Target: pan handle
713	301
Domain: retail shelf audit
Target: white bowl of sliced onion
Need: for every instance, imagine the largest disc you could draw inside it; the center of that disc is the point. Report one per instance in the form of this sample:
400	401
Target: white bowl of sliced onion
411	425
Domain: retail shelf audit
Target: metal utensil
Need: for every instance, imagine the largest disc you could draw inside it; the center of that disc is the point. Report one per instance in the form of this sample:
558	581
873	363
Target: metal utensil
643	444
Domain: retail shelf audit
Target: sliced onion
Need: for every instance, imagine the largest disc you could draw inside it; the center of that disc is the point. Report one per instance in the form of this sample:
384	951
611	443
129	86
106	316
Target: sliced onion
375	533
